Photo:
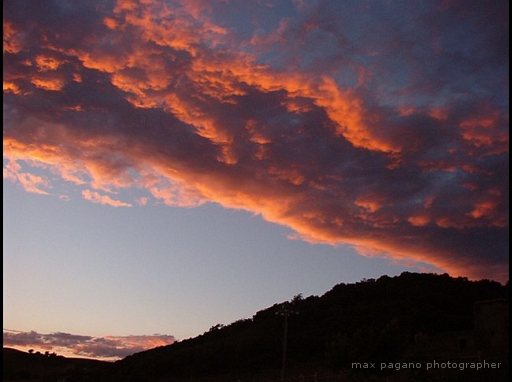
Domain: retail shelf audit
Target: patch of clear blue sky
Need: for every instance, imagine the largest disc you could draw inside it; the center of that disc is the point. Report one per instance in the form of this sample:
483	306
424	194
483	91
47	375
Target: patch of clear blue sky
77	267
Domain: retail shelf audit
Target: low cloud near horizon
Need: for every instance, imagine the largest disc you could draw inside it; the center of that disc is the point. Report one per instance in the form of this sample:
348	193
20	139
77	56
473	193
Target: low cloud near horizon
336	119
109	348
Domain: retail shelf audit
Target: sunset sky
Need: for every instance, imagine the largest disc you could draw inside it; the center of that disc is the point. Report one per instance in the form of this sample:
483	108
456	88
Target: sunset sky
172	165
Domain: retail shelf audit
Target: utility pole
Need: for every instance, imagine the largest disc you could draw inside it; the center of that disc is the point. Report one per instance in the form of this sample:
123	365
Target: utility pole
286	313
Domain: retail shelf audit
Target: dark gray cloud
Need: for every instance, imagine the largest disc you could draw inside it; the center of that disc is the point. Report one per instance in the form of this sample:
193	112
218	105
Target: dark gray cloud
383	126
109	348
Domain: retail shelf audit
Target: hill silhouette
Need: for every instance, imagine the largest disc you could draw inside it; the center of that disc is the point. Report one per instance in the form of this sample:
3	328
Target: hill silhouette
22	366
402	322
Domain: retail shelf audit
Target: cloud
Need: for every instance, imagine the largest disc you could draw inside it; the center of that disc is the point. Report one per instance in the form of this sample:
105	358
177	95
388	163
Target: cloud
340	121
30	182
71	345
95	197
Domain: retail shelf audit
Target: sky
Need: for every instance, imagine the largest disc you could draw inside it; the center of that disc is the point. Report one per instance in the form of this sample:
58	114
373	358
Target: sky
173	165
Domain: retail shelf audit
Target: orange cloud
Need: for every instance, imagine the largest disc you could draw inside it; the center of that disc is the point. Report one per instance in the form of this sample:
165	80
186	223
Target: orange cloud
52	84
109	348
158	96
12	39
419	220
368	203
11	87
481	131
47	63
218	76
30	182
95	197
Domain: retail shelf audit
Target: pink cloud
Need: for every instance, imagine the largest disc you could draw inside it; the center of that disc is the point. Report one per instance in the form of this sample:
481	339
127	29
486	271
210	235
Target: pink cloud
95	197
110	348
30	182
407	159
